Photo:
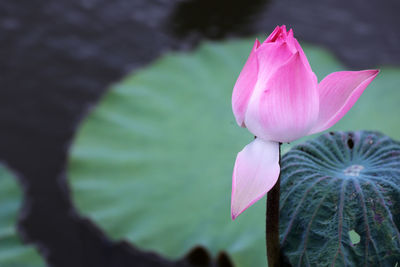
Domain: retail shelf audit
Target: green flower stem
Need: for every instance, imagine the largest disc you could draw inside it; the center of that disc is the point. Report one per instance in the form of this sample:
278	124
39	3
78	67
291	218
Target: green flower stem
272	222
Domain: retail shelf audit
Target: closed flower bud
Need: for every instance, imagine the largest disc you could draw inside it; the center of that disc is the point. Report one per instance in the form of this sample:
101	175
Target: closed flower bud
277	97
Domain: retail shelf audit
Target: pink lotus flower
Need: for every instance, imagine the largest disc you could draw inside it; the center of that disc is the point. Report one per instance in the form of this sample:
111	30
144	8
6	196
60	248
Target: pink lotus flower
278	98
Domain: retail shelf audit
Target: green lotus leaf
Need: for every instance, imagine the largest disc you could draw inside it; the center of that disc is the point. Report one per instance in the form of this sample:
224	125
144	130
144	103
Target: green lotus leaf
340	202
12	252
152	162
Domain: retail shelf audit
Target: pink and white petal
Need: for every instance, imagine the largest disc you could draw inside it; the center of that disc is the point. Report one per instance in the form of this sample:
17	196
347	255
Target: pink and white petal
255	173
337	94
285	108
245	85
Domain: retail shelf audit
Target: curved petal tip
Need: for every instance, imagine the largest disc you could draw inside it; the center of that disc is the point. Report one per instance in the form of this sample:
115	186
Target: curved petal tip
255	173
338	92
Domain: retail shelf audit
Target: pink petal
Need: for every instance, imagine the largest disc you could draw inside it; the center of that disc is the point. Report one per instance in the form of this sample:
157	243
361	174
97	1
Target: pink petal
303	56
290	33
337	94
290	40
244	86
255	173
272	37
278	35
284	107
270	57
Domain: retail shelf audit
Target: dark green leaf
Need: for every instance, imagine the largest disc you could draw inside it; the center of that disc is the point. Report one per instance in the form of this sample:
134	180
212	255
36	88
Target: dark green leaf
340	202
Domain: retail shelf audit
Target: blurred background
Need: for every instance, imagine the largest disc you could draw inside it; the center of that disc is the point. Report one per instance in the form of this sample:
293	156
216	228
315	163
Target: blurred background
71	149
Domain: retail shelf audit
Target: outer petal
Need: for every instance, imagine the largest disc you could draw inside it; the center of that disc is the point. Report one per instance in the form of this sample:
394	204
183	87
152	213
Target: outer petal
285	107
244	86
270	57
255	173
337	94
302	54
